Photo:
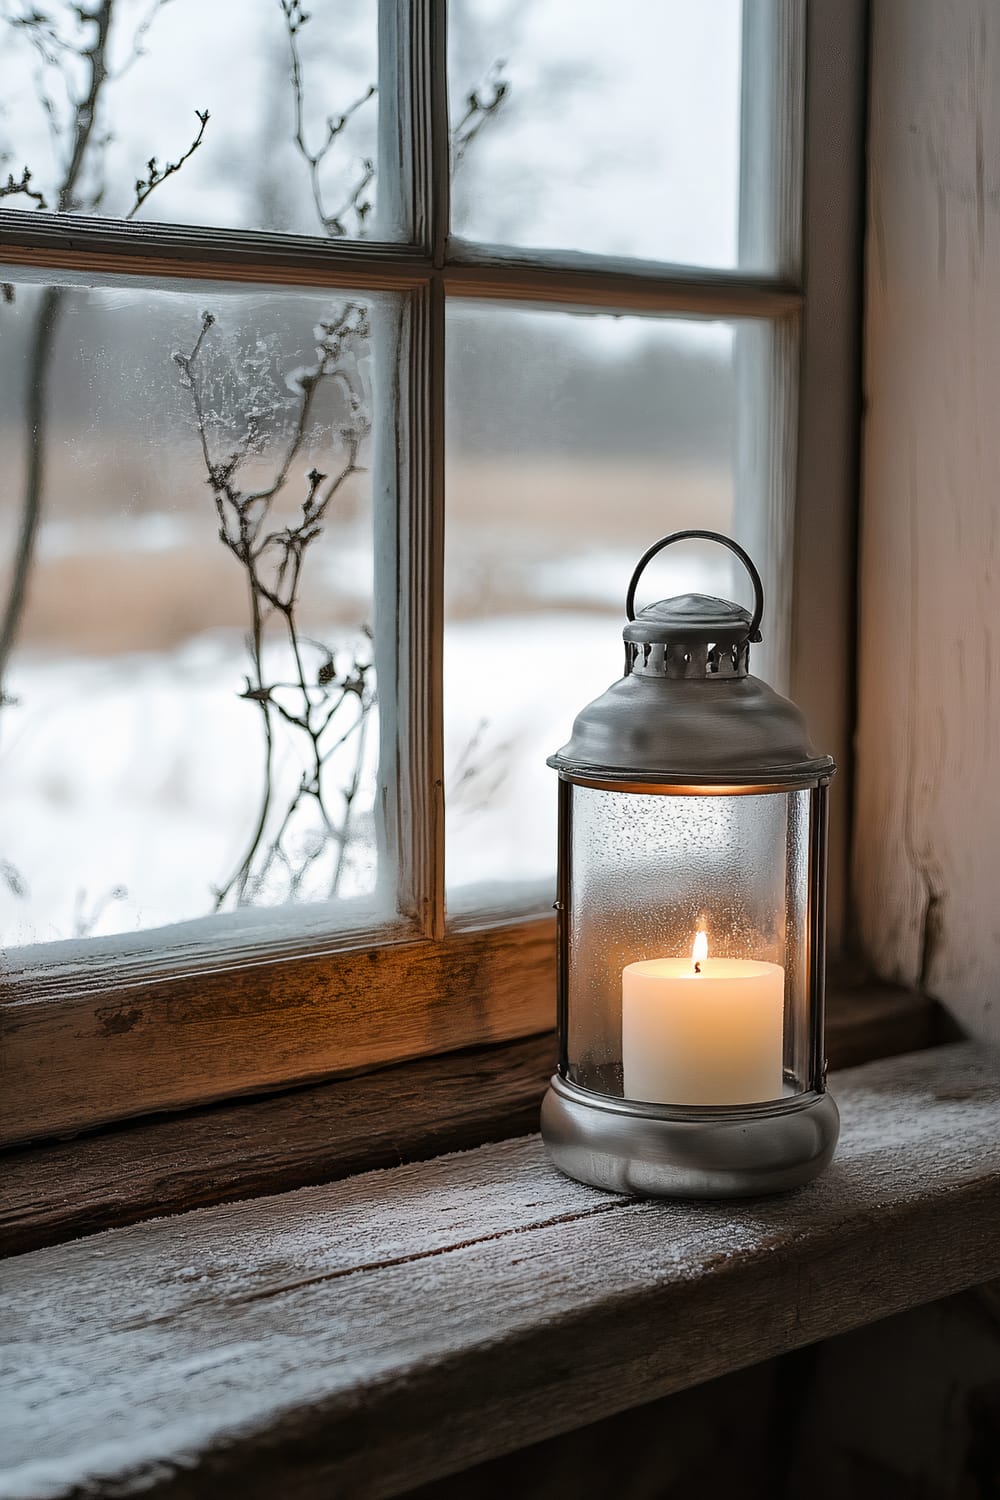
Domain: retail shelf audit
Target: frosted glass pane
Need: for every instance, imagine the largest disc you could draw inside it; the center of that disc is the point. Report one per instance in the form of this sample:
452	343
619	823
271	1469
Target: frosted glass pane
191	721
648	872
617	131
573	443
290	140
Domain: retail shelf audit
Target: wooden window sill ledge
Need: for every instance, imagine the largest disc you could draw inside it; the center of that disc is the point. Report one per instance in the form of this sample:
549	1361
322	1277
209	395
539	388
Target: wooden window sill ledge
253	1147
367	1335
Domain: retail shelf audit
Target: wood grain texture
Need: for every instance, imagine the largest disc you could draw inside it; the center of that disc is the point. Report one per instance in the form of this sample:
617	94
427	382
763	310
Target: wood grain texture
361	1337
134	254
574	279
823	605
766	356
928	815
65	1189
91	250
195	1037
866	1021
177	1040
52	1193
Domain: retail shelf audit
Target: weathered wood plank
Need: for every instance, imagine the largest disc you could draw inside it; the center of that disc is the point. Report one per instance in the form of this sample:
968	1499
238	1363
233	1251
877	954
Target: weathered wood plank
91	250
927	829
361	1337
571	278
57	1191
823	604
868	1020
194	1037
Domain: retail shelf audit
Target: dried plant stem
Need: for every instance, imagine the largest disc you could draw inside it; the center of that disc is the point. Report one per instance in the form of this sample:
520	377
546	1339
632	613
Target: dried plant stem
350	794
313	704
240	878
480	108
334	223
157	174
22	187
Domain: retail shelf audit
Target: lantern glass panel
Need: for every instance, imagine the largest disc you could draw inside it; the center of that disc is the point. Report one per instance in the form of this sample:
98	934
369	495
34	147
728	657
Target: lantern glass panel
647	871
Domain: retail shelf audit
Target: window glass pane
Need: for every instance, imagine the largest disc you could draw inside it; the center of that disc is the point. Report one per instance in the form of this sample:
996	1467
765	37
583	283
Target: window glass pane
616	131
190	722
573	443
289	143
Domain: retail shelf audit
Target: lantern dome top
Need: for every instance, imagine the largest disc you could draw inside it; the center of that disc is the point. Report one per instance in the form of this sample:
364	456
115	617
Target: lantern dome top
687	712
694	618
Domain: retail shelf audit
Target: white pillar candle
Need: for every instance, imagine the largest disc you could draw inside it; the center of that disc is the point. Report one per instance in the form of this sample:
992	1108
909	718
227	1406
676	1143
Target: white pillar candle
702	1030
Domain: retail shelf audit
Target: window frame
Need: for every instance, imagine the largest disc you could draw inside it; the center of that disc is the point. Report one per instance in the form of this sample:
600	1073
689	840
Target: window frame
134	1027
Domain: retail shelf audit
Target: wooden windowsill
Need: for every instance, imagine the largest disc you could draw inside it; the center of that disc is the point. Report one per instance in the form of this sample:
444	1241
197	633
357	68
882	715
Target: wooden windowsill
247	1148
365	1336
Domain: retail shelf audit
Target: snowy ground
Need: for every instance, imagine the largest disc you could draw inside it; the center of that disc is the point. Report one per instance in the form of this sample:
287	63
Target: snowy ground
128	784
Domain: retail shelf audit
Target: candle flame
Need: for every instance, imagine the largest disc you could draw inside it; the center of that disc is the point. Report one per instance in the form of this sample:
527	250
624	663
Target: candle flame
700	950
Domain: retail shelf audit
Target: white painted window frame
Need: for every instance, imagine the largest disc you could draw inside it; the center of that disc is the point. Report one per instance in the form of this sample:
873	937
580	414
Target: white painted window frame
139	1026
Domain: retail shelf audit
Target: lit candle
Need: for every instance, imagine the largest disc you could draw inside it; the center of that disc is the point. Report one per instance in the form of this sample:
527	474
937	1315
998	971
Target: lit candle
702	1030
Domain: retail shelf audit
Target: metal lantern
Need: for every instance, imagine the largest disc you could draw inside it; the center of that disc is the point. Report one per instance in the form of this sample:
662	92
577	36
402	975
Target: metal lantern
691	916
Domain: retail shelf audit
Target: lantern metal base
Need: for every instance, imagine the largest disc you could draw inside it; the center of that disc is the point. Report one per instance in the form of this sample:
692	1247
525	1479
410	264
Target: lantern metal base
656	1152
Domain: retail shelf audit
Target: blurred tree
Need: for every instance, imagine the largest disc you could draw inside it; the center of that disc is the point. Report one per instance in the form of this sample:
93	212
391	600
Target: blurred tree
71	47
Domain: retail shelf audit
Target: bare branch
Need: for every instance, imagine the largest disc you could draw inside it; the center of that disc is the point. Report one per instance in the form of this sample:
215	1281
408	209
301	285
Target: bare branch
89	49
310	707
11	188
13	879
356	203
137	49
480	108
85	111
333	223
158	174
85	921
43	36
46	322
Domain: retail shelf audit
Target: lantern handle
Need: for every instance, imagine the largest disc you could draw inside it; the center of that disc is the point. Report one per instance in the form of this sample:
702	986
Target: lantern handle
753	629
